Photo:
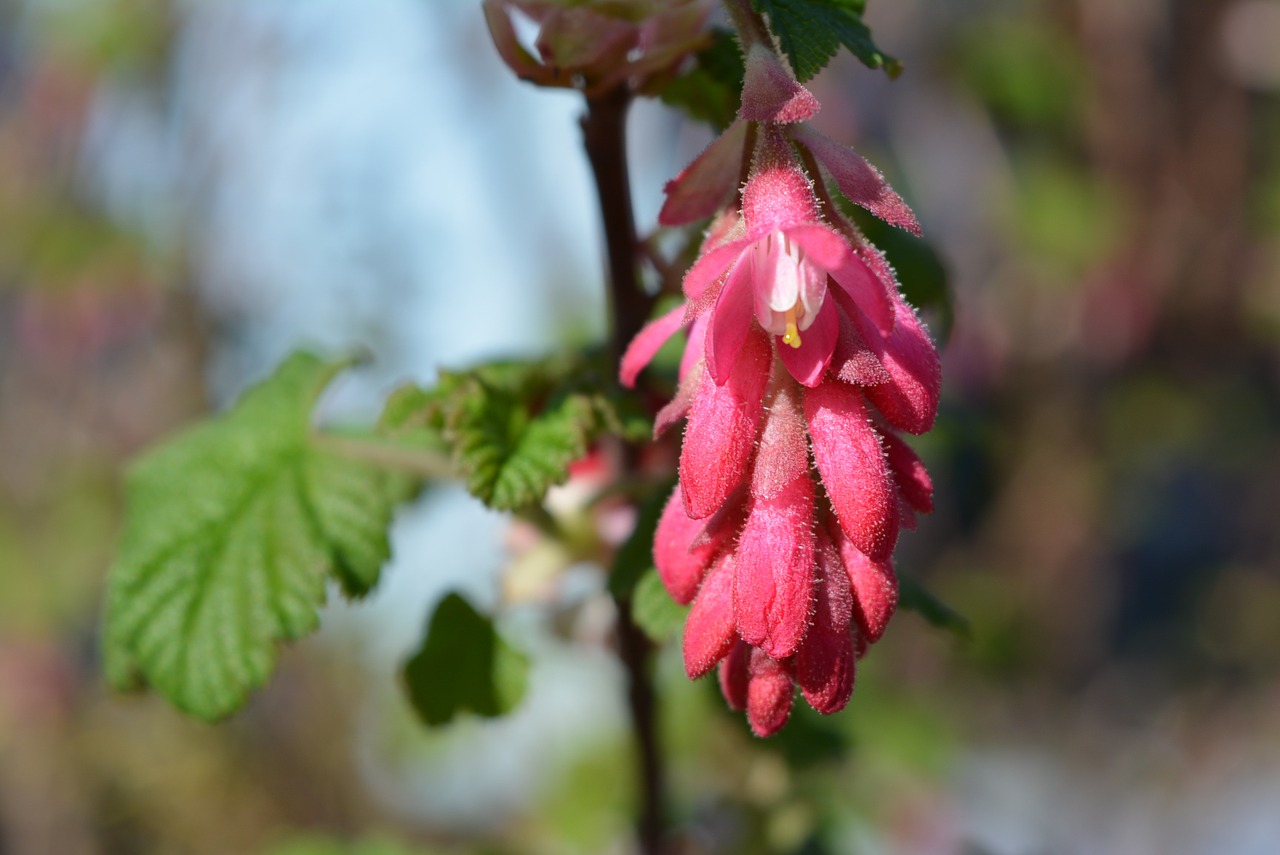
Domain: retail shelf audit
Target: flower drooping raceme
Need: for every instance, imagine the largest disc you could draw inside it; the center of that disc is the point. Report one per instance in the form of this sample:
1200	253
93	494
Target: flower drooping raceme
803	365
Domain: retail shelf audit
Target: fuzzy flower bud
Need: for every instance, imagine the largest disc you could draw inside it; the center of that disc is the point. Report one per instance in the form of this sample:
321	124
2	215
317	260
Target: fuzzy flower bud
596	45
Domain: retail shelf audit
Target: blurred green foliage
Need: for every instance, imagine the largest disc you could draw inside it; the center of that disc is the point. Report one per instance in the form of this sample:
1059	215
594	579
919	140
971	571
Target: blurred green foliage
464	665
1106	467
1027	71
316	845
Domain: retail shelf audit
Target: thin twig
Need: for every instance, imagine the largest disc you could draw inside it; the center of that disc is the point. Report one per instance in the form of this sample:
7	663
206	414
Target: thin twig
604	135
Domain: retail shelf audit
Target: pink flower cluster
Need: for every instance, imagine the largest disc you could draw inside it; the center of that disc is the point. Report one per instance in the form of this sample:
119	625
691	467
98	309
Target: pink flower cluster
597	46
803	366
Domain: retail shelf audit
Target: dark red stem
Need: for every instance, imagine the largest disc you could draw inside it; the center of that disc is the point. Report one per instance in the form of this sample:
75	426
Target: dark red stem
604	131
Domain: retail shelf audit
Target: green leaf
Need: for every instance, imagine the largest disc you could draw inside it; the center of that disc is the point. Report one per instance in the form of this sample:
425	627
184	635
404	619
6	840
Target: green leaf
232	529
514	428
811	31
464	665
412	413
711	90
512	454
653	609
621	414
1029	72
914	597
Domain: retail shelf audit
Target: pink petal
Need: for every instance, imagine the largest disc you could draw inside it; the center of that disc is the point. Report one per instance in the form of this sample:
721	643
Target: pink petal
678	407
825	662
576	39
834	608
723	526
724	227
874	586
696	344
772	593
854	471
705	185
783	454
808	362
708	631
823	246
711	265
665	37
722	428
853	361
770	693
680	564
908	519
868	291
909	473
677	29
770	93
910	400
857	179
735	676
732	318
647	342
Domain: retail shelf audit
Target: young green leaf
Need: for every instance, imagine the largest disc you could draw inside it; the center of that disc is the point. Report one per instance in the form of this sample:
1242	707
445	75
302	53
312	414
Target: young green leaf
510	453
514	428
231	531
653	609
811	31
464	665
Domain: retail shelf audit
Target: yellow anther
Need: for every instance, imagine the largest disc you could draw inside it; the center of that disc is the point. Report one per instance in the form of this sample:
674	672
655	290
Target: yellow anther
792	335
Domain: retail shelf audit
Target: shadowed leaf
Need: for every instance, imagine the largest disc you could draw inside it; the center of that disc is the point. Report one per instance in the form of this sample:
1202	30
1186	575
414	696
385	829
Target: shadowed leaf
464	666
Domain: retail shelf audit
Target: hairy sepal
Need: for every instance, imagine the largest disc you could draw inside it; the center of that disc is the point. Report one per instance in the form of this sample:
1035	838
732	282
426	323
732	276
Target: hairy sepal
852	463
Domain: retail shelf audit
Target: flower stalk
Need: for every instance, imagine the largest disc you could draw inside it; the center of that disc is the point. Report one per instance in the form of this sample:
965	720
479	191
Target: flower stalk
604	137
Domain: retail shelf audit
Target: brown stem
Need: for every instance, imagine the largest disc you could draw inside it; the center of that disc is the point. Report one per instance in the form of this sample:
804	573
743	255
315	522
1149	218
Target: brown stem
636	653
604	135
751	28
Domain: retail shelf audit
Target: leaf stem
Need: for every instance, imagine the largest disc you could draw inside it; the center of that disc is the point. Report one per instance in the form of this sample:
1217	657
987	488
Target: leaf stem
604	137
418	462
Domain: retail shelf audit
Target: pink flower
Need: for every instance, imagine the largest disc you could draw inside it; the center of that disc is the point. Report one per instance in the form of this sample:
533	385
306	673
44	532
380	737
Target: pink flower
777	269
596	46
803	362
805	584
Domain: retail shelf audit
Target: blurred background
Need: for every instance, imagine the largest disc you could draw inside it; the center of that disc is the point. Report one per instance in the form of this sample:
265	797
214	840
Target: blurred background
189	190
